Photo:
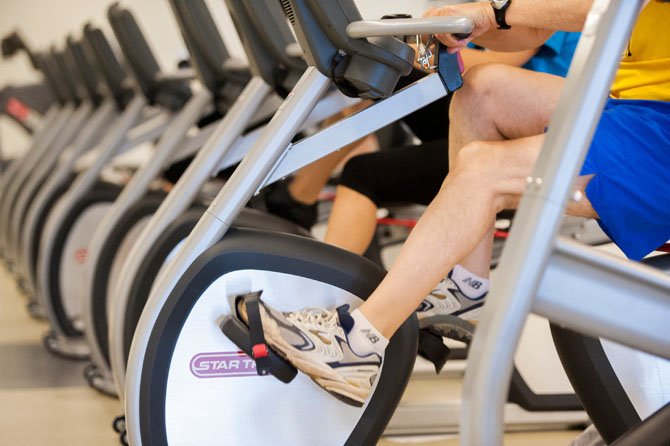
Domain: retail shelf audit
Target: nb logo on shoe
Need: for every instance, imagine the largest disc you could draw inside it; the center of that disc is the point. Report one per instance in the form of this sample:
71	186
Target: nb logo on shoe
476	284
371	336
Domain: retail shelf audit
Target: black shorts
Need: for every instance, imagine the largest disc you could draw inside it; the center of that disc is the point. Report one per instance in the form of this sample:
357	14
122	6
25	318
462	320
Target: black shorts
408	174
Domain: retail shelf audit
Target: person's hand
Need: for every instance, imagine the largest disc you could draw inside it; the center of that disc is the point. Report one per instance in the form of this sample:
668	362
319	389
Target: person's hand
481	14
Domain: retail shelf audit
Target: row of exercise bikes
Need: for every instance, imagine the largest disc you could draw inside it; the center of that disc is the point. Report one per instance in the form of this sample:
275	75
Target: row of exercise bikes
138	274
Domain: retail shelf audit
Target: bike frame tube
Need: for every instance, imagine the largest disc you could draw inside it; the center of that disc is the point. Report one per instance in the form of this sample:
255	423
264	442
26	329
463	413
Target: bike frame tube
14	172
76	123
99	121
111	143
42	129
31	160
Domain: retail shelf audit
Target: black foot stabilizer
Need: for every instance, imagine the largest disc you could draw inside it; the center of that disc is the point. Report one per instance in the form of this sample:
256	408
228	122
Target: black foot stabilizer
251	341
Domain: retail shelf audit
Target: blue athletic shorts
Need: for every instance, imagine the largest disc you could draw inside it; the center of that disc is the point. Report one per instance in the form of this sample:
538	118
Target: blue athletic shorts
630	160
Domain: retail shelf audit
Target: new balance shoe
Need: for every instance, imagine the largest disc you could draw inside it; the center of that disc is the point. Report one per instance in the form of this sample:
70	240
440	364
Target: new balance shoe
447	298
315	341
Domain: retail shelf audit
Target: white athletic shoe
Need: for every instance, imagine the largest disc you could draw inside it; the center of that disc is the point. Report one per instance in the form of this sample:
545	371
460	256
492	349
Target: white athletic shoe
447	298
316	343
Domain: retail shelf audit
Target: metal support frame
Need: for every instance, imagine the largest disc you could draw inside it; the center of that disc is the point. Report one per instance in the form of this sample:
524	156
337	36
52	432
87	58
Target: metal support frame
32	158
192	143
153	124
262	113
606	295
112	141
15	171
100	120
532	241
324	109
45	167
132	192
360	124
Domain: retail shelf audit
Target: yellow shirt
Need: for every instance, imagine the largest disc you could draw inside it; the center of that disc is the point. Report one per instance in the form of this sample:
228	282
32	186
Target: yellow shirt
644	72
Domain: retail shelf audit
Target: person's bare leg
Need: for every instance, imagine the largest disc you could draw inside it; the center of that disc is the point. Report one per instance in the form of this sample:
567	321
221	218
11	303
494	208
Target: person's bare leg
454	223
308	182
498	103
352	221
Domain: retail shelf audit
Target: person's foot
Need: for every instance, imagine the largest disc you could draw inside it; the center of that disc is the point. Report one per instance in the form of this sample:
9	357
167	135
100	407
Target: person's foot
280	202
316	343
447	298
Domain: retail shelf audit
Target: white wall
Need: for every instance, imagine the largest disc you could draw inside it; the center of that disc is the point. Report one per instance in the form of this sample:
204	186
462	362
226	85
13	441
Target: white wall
45	22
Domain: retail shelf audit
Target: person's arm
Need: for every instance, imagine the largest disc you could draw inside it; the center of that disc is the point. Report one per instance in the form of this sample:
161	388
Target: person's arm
532	22
472	57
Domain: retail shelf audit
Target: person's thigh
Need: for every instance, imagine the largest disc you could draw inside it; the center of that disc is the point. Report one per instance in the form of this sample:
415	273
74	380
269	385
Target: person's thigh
625	177
510	101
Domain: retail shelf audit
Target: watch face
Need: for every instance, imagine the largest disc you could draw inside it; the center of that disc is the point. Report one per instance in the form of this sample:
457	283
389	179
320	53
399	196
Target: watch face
498	4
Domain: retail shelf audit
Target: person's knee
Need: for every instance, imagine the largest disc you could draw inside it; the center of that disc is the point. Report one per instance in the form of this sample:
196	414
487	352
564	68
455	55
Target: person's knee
478	85
478	166
474	157
473	164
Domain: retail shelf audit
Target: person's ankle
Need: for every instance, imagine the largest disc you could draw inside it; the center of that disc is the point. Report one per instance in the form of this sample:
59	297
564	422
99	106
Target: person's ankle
363	337
472	285
279	201
299	195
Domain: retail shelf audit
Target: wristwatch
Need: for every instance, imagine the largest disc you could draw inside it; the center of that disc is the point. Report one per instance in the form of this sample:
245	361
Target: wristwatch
499	9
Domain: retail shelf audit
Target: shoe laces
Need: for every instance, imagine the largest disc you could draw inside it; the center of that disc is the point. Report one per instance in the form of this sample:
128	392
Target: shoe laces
315	316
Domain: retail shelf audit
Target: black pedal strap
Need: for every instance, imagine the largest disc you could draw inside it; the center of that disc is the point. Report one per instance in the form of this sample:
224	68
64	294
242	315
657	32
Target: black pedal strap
432	348
259	348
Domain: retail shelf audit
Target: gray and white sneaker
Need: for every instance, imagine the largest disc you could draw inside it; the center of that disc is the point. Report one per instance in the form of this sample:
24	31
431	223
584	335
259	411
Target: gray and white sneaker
315	341
447	298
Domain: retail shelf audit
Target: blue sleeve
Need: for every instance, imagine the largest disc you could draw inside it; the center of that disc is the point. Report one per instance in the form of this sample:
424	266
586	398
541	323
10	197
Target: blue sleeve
555	55
554	45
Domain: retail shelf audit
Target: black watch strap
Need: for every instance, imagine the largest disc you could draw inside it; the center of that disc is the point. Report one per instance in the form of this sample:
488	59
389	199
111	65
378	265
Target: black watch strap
500	15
